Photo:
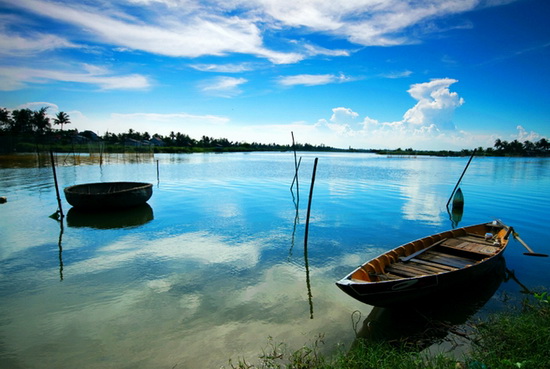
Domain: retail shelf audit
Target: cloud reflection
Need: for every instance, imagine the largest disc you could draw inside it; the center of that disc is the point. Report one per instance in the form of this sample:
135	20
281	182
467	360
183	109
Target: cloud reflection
198	247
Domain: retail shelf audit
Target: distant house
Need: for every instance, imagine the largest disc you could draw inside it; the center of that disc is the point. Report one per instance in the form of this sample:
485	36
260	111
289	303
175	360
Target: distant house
156	141
85	136
132	142
92	136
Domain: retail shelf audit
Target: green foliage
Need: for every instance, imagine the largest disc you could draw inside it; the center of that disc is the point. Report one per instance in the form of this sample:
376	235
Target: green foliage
541	297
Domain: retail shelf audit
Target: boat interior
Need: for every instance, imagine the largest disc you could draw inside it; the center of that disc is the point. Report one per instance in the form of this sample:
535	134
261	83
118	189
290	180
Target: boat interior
441	253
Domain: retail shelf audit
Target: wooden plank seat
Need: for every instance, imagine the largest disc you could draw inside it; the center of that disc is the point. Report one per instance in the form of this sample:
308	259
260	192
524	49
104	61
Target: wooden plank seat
447	259
407	270
445	268
472	246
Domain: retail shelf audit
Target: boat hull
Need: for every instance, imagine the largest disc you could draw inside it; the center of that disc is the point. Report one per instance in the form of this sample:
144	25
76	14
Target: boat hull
108	195
396	291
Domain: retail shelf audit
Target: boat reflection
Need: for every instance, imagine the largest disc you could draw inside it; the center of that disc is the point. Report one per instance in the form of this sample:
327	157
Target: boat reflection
456	216
424	324
122	218
457	208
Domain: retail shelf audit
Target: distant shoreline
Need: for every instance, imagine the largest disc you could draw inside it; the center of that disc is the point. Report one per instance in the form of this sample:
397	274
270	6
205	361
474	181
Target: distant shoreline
121	149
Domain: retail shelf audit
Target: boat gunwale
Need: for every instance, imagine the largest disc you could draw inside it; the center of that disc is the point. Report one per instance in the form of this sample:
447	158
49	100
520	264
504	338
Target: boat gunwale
139	186
347	280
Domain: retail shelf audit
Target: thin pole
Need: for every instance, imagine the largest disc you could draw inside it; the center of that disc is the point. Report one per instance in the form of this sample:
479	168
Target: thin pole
296	167
158	177
56	186
309	202
460	179
306	238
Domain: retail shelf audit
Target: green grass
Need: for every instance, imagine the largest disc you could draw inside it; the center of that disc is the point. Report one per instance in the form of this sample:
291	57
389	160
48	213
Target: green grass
517	338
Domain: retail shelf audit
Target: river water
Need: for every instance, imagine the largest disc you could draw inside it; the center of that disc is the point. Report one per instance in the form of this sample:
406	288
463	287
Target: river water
214	265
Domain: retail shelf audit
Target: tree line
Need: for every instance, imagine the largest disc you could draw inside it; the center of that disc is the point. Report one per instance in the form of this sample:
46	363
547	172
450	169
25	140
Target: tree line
25	129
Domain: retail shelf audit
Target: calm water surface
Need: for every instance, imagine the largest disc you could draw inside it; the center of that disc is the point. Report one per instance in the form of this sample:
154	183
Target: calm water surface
214	264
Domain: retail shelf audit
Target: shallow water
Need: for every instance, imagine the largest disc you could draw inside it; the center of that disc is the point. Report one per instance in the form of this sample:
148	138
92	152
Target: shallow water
214	264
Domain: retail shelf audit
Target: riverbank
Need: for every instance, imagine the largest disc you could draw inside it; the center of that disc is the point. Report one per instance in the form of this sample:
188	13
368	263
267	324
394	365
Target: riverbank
516	338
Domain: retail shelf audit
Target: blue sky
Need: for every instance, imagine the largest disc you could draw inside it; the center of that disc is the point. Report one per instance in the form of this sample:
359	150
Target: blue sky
434	74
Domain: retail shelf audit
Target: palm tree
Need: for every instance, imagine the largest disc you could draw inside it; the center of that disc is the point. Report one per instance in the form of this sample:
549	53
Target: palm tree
40	121
21	122
62	118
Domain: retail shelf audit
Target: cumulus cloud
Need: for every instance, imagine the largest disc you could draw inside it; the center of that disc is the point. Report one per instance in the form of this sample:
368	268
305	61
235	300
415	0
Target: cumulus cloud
435	106
524	135
430	118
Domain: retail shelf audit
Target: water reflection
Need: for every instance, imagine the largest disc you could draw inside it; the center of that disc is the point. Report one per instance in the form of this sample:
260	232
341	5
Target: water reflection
211	277
122	218
60	247
431	321
456	216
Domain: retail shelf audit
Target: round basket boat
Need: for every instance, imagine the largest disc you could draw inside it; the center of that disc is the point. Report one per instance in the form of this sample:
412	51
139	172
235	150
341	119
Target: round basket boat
108	195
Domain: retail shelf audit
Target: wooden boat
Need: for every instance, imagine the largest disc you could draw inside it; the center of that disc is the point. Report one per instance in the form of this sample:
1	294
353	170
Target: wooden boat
428	265
108	195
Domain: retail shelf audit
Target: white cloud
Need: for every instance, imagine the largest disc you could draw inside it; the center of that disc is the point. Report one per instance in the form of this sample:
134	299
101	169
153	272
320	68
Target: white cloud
180	34
12	78
17	45
223	68
343	115
38	105
312	79
435	106
222	86
192	28
363	22
523	135
427	124
396	75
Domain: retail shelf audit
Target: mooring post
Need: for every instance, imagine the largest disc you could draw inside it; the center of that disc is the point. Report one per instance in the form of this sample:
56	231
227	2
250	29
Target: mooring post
56	186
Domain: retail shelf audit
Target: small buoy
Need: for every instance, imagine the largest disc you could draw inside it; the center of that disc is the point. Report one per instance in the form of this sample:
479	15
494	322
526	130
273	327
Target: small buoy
3	199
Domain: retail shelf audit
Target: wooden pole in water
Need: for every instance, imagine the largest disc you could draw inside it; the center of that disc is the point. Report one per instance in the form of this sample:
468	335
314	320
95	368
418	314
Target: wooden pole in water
309	202
460	179
306	239
158	177
296	167
56	186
